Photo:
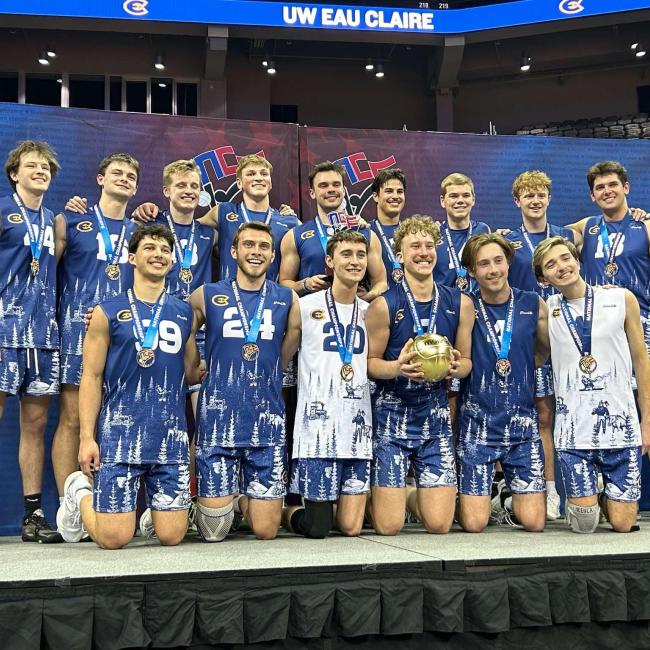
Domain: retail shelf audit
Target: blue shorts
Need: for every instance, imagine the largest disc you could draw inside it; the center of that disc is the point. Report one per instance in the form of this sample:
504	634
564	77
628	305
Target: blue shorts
28	371
71	368
116	485
257	472
327	479
621	470
194	388
544	380
432	461
522	464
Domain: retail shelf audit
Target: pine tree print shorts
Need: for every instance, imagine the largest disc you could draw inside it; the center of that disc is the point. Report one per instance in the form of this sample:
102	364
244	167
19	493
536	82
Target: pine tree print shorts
544	380
116	485
71	368
432	462
326	479
28	371
621	470
257	472
522	464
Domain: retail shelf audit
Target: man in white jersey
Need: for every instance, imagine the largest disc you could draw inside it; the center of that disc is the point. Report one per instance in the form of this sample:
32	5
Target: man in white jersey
596	343
333	428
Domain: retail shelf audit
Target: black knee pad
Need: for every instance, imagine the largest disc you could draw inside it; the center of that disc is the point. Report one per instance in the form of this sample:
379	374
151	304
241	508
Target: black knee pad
315	520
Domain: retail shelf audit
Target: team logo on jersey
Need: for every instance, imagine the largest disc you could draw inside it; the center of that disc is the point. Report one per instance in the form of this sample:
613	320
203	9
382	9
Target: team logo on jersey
124	316
556	312
517	244
232	216
594	230
220	300
14	218
317	314
308	234
84	226
399	315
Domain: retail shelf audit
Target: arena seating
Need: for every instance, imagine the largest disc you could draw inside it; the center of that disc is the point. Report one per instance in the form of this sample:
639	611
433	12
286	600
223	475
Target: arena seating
619	128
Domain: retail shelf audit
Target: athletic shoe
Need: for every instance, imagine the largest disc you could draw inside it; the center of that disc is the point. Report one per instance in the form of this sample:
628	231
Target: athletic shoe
146	525
68	517
552	506
36	529
191	519
500	514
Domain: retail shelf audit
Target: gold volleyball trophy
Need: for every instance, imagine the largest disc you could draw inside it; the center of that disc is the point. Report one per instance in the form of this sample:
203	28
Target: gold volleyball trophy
434	354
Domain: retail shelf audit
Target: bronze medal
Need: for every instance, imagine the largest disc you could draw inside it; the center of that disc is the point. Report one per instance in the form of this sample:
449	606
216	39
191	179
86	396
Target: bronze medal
185	276
112	271
250	351
587	364
611	269
145	358
347	372
397	275
34	266
462	283
503	367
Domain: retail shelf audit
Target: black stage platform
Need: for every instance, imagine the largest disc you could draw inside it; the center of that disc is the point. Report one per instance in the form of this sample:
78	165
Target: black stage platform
501	589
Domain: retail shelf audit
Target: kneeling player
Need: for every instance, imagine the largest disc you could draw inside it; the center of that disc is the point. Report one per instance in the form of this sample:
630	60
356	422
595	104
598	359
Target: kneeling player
332	432
596	342
139	347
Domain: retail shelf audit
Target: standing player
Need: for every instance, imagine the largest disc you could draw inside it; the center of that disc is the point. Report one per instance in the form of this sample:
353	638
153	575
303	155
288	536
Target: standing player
388	192
29	336
532	194
596	342
138	352
241	430
303	249
498	420
411	420
94	266
332	441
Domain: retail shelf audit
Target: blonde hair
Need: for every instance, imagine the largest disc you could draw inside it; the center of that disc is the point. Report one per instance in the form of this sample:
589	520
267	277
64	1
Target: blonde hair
415	225
179	167
455	179
252	159
530	180
545	246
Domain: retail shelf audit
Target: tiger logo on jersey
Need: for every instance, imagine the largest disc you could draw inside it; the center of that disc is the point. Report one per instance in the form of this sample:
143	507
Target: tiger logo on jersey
232	217
124	316
14	218
594	230
85	226
517	244
317	314
556	312
308	234
220	300
399	314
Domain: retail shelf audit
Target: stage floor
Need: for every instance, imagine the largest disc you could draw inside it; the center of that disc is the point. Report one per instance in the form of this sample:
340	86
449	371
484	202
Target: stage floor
37	564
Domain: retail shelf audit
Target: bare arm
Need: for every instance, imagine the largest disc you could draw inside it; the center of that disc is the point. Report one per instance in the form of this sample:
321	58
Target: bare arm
290	268
60	236
376	270
95	350
462	365
293	335
211	217
542	341
578	228
640	363
145	213
192	359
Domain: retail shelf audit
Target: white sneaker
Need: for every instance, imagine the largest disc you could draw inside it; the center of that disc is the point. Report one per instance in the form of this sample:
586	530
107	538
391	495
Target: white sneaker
68	516
146	525
552	506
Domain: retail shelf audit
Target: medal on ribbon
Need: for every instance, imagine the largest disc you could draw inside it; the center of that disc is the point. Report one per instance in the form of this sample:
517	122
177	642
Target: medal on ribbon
36	239
250	350
322	234
246	217
345	345
184	256
503	365
112	255
462	282
609	248
587	363
145	356
397	274
525	234
414	313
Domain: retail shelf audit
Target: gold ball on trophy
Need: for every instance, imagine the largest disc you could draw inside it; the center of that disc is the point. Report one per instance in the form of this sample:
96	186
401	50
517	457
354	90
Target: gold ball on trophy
434	354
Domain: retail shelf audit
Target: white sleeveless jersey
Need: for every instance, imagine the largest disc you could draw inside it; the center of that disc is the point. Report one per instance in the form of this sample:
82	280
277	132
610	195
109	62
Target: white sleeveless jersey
595	411
333	416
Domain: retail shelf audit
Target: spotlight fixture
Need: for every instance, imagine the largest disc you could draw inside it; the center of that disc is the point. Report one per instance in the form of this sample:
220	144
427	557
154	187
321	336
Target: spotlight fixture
265	63
634	45
270	68
162	84
639	51
42	58
59	80
370	66
525	64
159	64
379	71
51	52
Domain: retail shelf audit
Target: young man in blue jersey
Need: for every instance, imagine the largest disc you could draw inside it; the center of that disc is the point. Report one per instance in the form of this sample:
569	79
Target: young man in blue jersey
497	418
411	419
138	352
29	336
93	252
531	191
240	443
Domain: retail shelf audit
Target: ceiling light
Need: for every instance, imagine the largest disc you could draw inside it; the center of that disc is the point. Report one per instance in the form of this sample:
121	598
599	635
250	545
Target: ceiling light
640	51
270	69
265	63
379	72
525	64
634	46
370	65
42	58
162	84
59	80
159	64
51	53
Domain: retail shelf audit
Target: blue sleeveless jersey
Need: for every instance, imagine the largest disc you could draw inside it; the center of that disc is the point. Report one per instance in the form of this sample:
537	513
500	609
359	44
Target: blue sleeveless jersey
631	257
521	275
495	411
389	231
27	302
240	402
82	274
201	265
402	328
444	272
142	418
230	217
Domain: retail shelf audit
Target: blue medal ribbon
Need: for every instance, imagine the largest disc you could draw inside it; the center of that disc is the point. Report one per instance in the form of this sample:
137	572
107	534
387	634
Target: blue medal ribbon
245	216
581	339
387	246
529	243
111	255
501	350
184	257
461	271
322	234
251	330
36	239
414	313
609	248
146	339
345	347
